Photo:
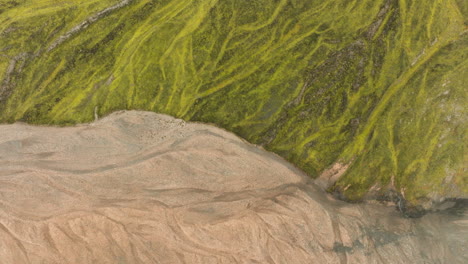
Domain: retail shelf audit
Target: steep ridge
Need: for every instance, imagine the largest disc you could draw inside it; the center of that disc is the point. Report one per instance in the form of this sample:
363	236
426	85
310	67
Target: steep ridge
139	187
377	86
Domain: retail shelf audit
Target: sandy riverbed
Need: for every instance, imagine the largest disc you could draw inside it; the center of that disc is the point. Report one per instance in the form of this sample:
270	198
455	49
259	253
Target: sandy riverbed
138	187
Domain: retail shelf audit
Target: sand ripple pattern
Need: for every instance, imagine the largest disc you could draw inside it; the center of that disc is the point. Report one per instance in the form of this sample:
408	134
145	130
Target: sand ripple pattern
138	187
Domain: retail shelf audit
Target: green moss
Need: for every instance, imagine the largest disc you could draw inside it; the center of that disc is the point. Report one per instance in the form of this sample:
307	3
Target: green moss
376	83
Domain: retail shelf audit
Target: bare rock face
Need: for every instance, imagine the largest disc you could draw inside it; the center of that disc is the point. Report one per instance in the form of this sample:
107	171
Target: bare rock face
138	187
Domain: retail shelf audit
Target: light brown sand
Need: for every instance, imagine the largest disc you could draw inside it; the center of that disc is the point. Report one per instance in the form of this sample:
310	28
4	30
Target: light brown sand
138	187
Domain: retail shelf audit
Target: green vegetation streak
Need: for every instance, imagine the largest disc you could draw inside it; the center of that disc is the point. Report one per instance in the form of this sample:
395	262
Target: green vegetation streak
378	84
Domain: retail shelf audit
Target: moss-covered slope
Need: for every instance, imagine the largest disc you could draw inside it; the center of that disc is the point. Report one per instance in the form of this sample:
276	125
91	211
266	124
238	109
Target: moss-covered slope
377	84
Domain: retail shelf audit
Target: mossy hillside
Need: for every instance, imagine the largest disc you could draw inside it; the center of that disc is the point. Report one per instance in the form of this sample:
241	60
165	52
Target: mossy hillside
378	84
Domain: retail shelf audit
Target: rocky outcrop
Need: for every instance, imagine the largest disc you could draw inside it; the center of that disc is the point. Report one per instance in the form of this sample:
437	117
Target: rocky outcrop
138	187
7	83
87	22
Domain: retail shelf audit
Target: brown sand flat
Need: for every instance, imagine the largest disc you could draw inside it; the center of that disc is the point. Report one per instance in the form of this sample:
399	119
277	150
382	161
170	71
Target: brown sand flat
138	187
